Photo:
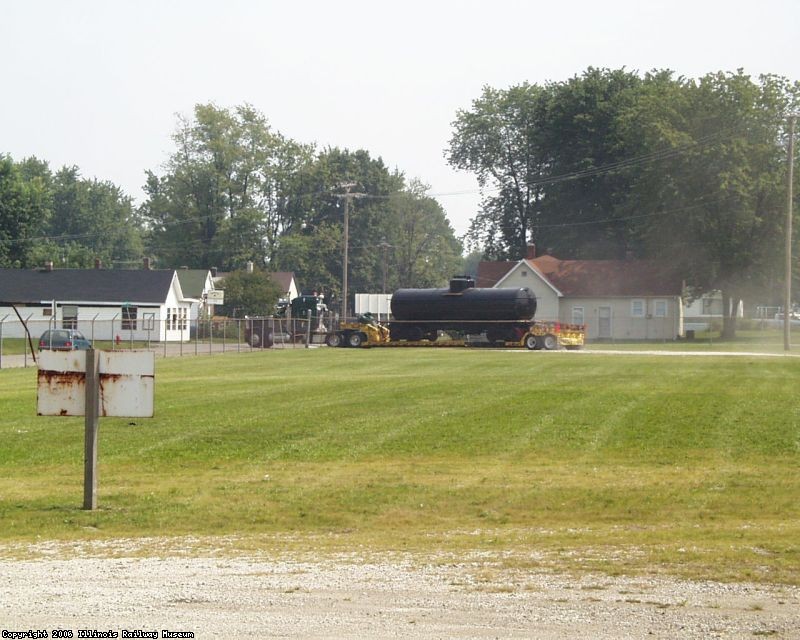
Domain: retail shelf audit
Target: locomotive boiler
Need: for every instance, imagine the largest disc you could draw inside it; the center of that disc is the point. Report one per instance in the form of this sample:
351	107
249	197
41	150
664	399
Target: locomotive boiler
499	314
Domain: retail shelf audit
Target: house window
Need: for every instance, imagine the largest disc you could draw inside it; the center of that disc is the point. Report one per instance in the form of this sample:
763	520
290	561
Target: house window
129	315
47	311
524	274
660	308
577	315
177	319
69	316
637	308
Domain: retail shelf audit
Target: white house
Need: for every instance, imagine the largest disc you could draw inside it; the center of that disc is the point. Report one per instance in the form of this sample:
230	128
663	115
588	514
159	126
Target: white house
615	299
286	282
103	304
196	285
699	313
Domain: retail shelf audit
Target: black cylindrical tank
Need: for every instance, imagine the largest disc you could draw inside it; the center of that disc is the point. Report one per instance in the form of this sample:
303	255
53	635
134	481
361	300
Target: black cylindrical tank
468	304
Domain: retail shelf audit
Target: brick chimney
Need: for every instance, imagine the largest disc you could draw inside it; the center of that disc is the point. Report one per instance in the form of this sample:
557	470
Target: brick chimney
98	263
146	264
530	254
48	266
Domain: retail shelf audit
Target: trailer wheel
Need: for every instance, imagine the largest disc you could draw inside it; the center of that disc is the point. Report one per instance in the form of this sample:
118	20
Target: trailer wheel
531	342
550	342
334	340
355	339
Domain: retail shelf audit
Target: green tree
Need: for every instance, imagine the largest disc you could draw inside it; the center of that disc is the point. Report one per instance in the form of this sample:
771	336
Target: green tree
223	199
500	140
542	154
23	213
718	203
317	219
691	171
91	219
249	294
424	247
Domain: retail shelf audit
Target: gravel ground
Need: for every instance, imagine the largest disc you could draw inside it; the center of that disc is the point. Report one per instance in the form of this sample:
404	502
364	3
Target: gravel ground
389	597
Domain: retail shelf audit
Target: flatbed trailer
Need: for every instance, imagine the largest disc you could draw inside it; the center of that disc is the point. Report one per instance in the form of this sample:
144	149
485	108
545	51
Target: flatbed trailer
539	335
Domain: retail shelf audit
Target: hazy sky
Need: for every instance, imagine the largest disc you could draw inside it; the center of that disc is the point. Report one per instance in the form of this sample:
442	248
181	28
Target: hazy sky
98	84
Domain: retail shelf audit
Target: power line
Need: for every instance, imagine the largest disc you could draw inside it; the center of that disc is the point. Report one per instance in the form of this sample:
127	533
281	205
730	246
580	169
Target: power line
620	165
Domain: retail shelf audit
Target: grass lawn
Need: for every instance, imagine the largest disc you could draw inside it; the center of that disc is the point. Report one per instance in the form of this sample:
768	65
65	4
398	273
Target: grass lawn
616	463
768	340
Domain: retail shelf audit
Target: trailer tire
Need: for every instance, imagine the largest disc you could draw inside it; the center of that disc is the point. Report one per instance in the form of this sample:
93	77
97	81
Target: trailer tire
550	342
334	340
355	339
532	342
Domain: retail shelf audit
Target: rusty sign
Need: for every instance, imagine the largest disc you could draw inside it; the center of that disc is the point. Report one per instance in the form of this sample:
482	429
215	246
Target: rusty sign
127	382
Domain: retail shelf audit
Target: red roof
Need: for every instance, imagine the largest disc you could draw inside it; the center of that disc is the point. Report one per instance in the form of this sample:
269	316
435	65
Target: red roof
595	278
489	273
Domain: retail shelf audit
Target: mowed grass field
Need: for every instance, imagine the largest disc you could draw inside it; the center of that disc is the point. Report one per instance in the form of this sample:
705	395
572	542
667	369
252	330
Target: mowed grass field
579	462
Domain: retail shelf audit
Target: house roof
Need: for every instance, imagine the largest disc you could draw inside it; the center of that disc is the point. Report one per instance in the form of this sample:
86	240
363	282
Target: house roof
22	286
527	264
490	273
283	279
596	278
193	282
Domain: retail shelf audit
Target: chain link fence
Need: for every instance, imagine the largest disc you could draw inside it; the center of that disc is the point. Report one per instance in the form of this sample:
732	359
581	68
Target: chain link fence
21	340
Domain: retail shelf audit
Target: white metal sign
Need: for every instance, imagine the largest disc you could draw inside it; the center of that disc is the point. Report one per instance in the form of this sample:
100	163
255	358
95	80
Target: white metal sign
127	382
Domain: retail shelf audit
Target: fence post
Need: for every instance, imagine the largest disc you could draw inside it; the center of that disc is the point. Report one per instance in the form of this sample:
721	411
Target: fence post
1	339
166	329
308	330
224	331
210	336
238	336
113	337
196	333
93	319
25	342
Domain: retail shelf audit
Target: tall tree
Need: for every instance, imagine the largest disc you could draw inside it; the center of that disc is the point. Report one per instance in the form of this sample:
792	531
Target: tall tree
718	202
317	216
223	200
424	249
92	219
539	153
688	170
501	140
23	213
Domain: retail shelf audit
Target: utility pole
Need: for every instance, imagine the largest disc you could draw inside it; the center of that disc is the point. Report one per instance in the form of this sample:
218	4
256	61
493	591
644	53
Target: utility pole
385	246
347	197
787	295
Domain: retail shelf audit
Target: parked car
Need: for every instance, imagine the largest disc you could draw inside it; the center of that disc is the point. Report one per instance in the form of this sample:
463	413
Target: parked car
63	340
